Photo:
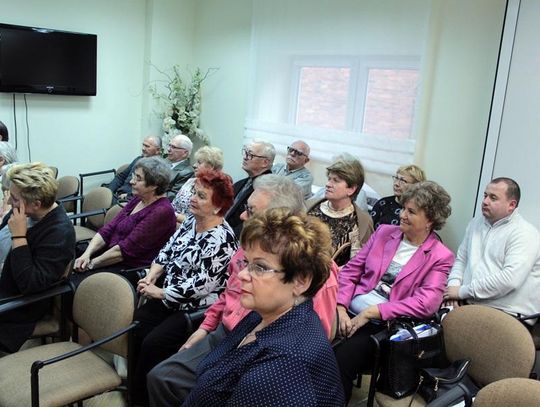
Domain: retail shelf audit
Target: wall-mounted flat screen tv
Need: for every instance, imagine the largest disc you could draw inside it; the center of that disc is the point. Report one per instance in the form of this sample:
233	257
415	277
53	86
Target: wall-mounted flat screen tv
41	60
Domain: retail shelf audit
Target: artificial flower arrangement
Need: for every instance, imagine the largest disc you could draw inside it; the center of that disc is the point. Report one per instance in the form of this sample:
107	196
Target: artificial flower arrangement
180	103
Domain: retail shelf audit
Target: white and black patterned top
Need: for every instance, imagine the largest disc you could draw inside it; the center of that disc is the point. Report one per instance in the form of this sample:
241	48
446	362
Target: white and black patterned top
195	264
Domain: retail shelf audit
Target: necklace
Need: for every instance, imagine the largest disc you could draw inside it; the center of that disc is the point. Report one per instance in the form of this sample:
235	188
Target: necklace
258	328
248	336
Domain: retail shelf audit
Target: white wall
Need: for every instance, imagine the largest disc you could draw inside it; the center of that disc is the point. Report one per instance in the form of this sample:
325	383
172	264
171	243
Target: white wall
222	40
83	133
170	26
465	39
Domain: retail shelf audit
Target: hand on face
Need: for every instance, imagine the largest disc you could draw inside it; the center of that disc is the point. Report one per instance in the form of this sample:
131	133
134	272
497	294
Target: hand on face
17	222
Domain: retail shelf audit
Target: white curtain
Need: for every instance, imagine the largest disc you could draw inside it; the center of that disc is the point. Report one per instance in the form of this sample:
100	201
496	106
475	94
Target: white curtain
341	74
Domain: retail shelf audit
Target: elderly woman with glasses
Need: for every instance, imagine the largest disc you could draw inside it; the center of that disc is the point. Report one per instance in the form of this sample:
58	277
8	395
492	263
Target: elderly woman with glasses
188	274
401	271
205	158
133	238
278	355
386	210
349	225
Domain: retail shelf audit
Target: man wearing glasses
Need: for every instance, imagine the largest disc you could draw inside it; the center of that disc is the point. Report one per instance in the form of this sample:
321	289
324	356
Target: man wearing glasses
178	152
257	159
294	167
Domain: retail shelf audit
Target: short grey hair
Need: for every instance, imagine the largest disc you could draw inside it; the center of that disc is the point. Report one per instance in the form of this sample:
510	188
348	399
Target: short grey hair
7	152
156	173
432	199
212	156
269	151
183	142
283	192
156	140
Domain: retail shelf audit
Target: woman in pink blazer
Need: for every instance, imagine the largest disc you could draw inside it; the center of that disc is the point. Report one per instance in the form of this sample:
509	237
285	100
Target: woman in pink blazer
400	271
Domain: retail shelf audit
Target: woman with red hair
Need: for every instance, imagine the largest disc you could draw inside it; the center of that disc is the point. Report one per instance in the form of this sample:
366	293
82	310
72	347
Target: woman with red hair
187	274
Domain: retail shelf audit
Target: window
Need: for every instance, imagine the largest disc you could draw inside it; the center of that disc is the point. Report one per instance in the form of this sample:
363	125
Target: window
389	102
323	96
369	96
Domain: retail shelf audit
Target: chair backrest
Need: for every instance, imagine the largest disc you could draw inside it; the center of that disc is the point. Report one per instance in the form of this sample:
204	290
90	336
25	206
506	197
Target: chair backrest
98	198
509	392
498	344
104	303
122	168
111	213
68	186
54	170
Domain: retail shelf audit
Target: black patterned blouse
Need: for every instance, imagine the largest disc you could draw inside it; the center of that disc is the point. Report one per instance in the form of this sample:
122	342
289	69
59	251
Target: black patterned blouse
342	225
385	212
195	264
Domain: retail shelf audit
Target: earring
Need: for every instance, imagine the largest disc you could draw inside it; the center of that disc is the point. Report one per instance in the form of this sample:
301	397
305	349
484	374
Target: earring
216	211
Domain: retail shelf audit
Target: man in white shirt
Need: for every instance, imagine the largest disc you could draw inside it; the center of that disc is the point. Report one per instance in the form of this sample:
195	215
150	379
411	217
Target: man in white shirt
294	167
498	262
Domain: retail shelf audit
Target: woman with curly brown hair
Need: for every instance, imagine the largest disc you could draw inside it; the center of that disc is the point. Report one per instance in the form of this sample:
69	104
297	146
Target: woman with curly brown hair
278	355
400	271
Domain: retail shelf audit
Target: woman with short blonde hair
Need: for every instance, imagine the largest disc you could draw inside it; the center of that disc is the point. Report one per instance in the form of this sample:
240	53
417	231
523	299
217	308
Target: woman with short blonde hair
386	210
43	244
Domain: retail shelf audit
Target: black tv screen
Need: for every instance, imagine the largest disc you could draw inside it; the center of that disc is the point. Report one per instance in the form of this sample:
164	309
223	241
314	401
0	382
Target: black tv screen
41	60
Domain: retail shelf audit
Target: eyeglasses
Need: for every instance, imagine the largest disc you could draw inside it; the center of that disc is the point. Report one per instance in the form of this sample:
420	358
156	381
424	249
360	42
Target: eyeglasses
401	180
294	151
249	210
249	155
256	270
175	147
136	177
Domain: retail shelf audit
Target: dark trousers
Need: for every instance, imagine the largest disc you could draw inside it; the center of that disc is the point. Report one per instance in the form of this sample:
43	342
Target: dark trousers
356	354
159	335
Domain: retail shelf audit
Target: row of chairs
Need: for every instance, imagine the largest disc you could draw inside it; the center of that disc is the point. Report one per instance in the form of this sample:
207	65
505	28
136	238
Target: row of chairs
499	346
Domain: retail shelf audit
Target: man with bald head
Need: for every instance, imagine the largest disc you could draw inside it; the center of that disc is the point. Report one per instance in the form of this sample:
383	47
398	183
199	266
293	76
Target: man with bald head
120	185
294	167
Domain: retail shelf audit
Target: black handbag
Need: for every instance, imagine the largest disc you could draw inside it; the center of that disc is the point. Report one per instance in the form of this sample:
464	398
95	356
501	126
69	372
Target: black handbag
402	359
434	382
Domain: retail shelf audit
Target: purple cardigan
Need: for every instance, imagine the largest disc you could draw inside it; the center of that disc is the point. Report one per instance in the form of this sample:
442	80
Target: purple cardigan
419	286
141	235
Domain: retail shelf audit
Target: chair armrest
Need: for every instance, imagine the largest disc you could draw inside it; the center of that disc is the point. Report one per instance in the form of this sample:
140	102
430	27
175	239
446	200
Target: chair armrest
39	364
70	198
193	318
42	363
527	317
87	214
452	396
7	304
91	174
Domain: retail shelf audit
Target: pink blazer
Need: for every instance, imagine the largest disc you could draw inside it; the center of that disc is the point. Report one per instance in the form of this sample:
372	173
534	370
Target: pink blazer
419	286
